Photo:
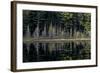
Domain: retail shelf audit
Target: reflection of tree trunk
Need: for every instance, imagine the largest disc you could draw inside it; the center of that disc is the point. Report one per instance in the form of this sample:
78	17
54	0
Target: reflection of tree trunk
44	47
70	46
28	47
37	50
25	52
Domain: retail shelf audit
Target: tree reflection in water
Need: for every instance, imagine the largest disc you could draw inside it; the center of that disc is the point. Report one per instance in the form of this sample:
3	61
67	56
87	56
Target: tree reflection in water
57	51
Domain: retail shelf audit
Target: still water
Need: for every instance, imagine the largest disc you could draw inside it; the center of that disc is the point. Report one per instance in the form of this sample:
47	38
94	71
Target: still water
56	51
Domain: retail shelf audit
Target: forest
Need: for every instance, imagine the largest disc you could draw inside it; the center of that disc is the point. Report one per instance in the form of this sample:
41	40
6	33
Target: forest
47	24
55	36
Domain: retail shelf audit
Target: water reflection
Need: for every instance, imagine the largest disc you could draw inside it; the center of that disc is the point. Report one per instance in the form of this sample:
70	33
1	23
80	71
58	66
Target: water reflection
56	51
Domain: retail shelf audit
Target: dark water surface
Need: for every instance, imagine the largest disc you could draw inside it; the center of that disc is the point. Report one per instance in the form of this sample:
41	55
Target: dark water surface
56	51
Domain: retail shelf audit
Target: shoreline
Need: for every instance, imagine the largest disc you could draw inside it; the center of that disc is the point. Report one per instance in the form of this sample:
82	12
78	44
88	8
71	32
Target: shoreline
54	40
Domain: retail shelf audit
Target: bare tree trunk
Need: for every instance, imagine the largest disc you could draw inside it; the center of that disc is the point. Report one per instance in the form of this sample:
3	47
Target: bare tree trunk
28	31
44	31
38	21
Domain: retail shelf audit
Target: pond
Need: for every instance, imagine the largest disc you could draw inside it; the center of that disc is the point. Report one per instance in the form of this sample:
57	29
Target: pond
56	51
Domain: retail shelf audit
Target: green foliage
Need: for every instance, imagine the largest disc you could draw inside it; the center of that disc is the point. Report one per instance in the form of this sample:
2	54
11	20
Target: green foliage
72	22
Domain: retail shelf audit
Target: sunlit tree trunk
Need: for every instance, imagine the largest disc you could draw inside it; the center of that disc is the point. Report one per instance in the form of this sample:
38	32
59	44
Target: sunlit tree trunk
44	31
38	21
28	31
50	30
